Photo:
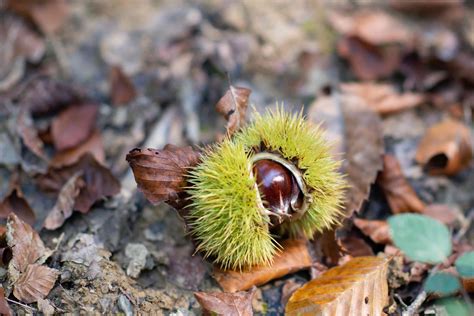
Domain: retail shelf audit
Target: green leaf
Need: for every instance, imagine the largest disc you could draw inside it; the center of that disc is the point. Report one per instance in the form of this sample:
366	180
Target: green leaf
420	237
465	265
454	307
442	283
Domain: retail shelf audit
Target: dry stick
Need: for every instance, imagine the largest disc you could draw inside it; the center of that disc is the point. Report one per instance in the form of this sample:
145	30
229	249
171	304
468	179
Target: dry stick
421	297
21	304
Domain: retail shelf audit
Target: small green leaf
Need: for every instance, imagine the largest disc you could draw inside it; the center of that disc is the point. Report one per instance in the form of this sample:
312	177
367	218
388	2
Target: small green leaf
442	283
465	265
454	307
420	237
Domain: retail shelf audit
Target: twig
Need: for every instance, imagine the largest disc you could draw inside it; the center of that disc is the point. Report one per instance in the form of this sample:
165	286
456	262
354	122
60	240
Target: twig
413	308
21	304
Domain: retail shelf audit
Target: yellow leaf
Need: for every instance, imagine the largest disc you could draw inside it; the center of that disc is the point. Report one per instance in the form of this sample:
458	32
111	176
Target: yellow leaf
358	287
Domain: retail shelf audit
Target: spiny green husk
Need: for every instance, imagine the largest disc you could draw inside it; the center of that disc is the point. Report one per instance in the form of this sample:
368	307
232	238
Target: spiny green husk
225	218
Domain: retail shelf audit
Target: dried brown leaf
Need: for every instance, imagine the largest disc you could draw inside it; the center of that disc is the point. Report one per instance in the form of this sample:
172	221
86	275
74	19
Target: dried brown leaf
29	134
382	97
346	118
445	148
74	125
294	257
63	208
122	90
92	145
233	106
161	174
27	247
99	181
4	308
373	26
15	203
369	62
358	287
46	95
400	195
377	230
355	246
35	283
232	304
446	214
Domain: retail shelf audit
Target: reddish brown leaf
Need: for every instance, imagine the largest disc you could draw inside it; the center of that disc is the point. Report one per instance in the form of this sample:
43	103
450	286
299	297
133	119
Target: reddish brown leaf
378	231
382	97
121	87
92	145
161	174
446	214
74	125
400	195
232	304
288	289
99	181
27	247
294	257
445	148
373	26
355	246
328	246
29	134
233	106
35	283
345	118
369	62
15	203
63	208
358	287
4	308
45	95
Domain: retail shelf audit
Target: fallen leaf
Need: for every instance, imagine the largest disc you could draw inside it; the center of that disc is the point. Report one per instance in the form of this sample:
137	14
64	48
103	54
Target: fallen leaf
74	125
358	287
122	90
63	208
49	15
328	246
345	118
355	246
445	148
420	237
232	304
15	203
369	62
46	95
99	181
442	283
451	306
27	247
29	134
233	106
446	214
465	269
161	174
400	195
288	289
373	26
294	257
35	283
378	231
92	145
382	97
4	308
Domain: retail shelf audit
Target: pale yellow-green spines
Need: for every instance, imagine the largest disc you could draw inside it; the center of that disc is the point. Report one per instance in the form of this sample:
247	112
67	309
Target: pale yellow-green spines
225	218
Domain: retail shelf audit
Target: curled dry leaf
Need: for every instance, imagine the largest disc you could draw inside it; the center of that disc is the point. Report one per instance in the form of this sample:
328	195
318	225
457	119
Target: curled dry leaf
29	134
369	62
232	304
378	231
63	208
445	148
400	195
35	283
358	287
99	181
373	26
233	106
121	87
92	145
74	125
15	203
382	97
293	257
160	174
345	118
